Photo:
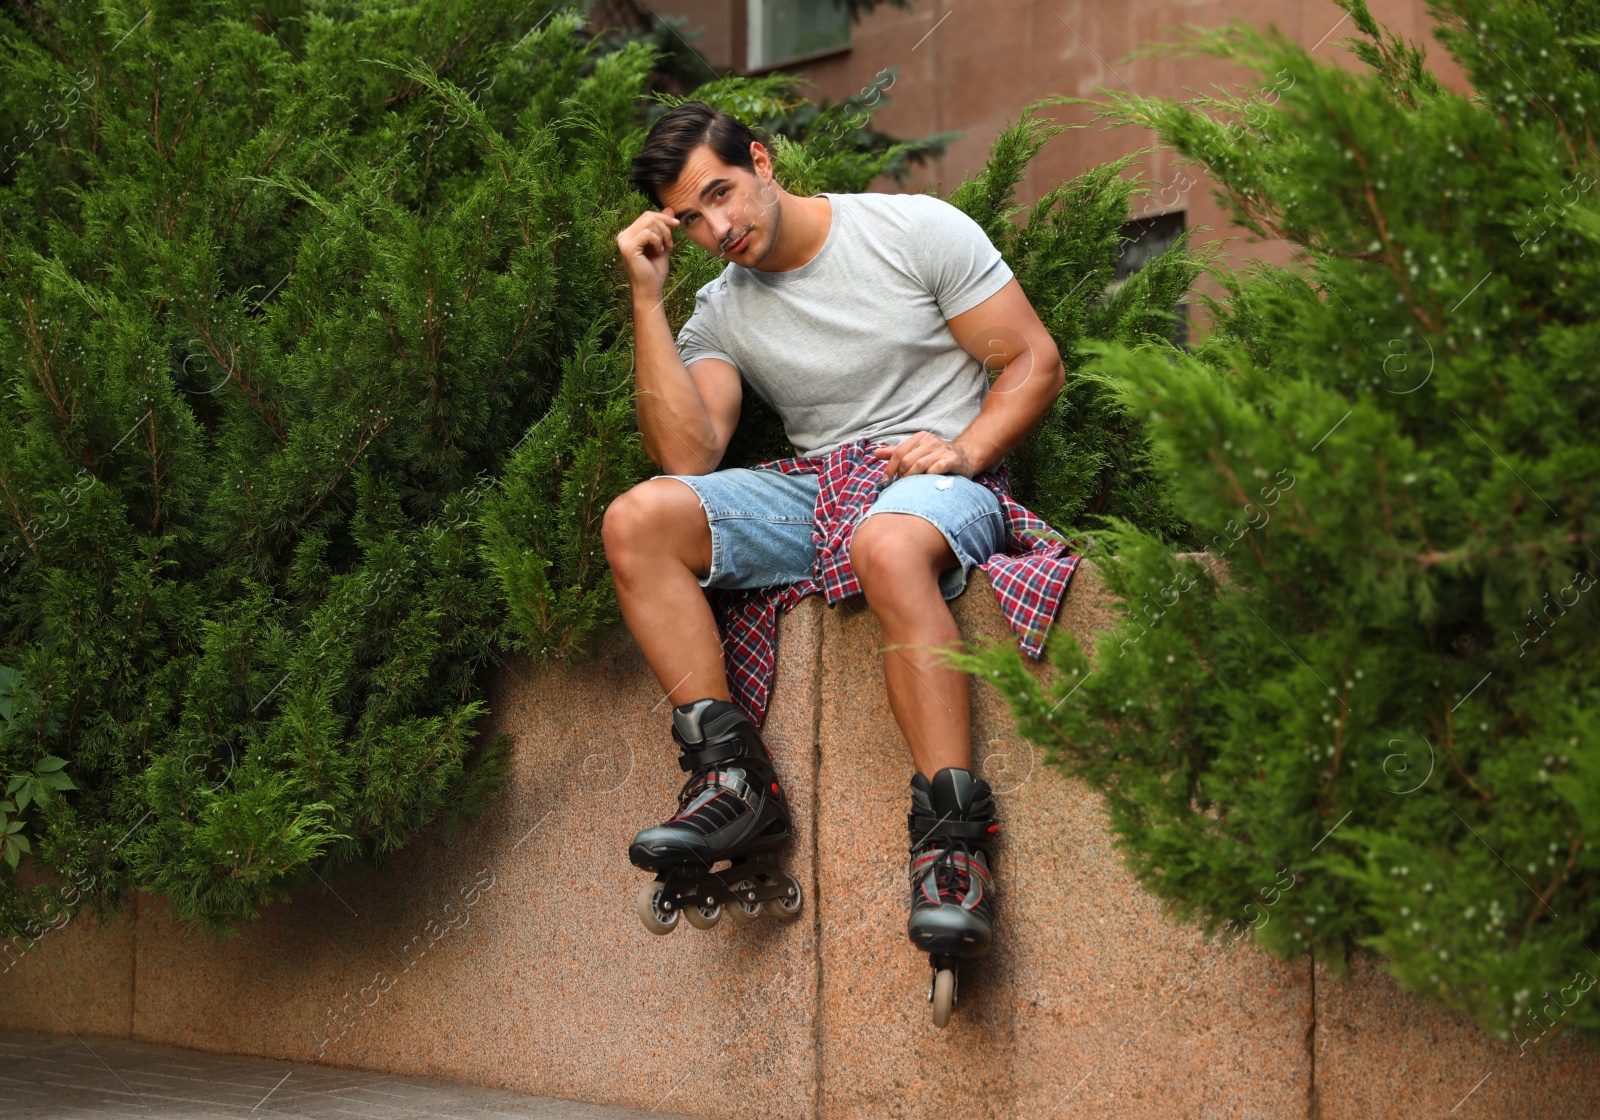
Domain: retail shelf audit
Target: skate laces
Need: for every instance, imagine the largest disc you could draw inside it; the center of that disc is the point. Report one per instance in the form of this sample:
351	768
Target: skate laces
952	876
694	786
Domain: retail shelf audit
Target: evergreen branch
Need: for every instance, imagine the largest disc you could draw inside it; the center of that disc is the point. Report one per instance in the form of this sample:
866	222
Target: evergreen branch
1396	268
444	66
1558	877
252	394
457	99
34	332
261	176
24	523
50	40
365	436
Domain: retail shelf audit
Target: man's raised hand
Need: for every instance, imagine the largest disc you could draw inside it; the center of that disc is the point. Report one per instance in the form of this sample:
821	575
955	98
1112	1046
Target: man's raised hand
646	246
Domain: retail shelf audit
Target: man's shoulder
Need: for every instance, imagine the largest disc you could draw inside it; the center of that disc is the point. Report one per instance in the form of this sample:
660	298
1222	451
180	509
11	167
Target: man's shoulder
903	210
714	290
913	230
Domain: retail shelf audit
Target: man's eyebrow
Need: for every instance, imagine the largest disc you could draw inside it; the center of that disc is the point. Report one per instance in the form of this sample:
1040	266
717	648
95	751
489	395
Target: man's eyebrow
711	186
688	211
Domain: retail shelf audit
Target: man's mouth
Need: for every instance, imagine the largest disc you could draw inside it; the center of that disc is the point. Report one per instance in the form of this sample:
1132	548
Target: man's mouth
739	246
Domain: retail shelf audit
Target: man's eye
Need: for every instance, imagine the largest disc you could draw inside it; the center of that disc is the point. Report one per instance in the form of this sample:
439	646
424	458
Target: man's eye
721	191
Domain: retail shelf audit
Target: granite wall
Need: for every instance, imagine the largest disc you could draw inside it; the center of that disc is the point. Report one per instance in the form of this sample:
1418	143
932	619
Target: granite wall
514	959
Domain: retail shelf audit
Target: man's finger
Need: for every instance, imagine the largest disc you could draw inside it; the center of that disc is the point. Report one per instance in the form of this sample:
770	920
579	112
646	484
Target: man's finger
649	227
641	238
913	462
897	455
919	448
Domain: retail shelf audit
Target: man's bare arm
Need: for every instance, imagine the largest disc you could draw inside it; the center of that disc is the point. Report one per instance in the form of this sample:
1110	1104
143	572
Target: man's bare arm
1003	332
686	416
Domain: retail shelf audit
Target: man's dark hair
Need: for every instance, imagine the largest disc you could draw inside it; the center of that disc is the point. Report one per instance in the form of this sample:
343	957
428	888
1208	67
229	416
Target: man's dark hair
681	131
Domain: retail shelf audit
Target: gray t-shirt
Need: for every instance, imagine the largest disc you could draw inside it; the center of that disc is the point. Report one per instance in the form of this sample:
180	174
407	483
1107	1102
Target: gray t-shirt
853	343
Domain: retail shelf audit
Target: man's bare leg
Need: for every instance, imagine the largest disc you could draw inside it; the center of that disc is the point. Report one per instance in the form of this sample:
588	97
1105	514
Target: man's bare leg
659	546
897	557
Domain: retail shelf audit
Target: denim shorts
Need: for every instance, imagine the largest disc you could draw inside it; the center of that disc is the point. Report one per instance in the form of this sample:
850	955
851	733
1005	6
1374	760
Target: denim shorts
761	523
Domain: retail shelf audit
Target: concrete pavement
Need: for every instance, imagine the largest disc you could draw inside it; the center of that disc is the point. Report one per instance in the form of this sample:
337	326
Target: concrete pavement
68	1077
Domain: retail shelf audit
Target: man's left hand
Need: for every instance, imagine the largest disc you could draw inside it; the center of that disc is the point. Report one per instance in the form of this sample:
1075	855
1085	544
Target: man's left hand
925	453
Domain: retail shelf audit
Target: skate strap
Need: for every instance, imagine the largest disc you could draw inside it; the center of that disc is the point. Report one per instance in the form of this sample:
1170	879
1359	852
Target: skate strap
926	828
711	756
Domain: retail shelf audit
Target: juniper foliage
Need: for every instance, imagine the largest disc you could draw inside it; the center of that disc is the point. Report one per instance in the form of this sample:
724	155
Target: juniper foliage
280	296
1366	717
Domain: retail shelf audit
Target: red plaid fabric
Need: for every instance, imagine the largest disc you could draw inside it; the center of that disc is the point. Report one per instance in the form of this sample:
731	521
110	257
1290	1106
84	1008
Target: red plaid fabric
1029	577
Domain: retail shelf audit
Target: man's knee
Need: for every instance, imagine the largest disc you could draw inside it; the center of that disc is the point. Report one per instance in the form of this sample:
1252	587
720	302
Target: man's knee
657	514
888	548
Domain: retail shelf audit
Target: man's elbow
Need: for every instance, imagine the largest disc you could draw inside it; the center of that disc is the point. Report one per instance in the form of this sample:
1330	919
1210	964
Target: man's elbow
689	469
1050	364
675	456
689	463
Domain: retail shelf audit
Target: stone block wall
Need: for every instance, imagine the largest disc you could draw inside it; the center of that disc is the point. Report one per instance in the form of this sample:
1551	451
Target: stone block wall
514	959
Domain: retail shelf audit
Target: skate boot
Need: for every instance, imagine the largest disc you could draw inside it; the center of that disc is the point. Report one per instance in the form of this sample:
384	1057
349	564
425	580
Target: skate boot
952	827
731	810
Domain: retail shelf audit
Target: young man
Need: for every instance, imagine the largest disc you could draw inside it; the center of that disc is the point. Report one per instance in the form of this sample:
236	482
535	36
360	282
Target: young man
867	321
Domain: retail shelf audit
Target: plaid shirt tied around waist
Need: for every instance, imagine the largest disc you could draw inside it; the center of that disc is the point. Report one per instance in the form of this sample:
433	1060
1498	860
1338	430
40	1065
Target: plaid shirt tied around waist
1029	577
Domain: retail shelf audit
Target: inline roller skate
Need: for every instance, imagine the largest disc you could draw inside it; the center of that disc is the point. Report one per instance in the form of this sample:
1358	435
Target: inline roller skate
730	811
952	826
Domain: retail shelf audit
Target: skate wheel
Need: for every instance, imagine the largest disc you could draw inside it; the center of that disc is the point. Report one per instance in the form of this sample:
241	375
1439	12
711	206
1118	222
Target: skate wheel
943	996
703	916
788	907
744	912
655	919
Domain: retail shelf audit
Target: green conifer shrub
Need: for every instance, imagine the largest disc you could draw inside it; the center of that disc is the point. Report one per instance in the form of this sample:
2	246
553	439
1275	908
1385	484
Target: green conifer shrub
279	299
317	381
1366	718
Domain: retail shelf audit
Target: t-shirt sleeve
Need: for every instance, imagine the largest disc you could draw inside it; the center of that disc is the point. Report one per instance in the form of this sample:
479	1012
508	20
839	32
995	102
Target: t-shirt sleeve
697	338
955	258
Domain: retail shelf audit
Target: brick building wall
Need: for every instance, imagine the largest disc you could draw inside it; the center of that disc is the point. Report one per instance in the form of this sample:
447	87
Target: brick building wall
969	67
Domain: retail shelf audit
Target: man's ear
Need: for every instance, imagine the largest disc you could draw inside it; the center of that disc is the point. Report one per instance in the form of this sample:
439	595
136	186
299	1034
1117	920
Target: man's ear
761	160
768	187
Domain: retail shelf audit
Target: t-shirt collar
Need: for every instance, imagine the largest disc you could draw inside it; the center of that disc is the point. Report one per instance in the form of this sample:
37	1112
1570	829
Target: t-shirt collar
811	265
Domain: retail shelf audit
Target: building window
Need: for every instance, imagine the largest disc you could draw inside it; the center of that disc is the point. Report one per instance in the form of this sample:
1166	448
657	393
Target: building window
786	31
1145	239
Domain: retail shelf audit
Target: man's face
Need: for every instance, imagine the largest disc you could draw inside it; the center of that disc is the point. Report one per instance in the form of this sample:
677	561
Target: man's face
728	211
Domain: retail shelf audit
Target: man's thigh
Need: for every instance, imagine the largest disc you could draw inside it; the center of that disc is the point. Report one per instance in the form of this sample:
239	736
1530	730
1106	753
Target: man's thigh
761	524
965	512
